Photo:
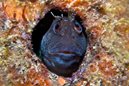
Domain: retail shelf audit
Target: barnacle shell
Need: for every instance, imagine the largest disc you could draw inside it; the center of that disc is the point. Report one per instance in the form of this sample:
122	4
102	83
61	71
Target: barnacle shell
106	61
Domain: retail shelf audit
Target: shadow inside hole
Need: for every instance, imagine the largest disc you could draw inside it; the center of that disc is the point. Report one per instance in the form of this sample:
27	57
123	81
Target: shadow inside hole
44	24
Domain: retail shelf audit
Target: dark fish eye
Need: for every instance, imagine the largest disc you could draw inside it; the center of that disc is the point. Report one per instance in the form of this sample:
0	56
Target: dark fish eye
77	27
56	27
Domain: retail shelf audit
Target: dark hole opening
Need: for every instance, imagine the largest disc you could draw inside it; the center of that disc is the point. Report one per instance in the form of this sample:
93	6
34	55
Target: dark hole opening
44	24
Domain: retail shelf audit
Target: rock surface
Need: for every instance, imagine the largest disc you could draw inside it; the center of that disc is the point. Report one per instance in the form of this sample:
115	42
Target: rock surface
106	62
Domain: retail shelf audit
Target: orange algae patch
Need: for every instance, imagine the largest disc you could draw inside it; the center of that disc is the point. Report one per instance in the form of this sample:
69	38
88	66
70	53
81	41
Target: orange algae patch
37	79
93	68
96	32
103	65
107	69
34	78
106	66
61	81
22	11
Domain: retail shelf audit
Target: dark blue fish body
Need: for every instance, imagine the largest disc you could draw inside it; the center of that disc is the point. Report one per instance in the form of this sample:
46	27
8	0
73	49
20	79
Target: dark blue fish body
63	46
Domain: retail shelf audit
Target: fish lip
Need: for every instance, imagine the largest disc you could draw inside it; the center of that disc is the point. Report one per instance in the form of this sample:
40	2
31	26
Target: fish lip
62	52
66	55
66	52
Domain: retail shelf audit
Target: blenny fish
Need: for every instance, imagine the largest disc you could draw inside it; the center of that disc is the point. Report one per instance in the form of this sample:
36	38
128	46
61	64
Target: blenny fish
63	46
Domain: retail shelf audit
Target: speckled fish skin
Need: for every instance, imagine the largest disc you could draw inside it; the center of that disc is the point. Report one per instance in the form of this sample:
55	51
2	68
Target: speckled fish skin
62	47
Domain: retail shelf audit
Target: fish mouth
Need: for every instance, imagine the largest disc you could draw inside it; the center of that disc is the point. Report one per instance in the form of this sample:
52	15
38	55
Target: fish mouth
66	55
66	52
61	52
62	60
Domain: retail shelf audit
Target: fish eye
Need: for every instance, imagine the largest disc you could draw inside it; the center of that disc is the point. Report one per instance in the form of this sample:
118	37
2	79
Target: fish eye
77	27
56	27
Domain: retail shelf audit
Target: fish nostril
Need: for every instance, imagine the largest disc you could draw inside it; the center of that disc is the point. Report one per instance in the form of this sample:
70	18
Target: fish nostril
73	37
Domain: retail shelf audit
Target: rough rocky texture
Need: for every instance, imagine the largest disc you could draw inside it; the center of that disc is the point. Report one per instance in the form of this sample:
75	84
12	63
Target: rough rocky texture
106	61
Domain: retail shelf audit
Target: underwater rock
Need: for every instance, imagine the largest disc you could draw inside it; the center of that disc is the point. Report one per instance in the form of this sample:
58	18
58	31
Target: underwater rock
105	63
